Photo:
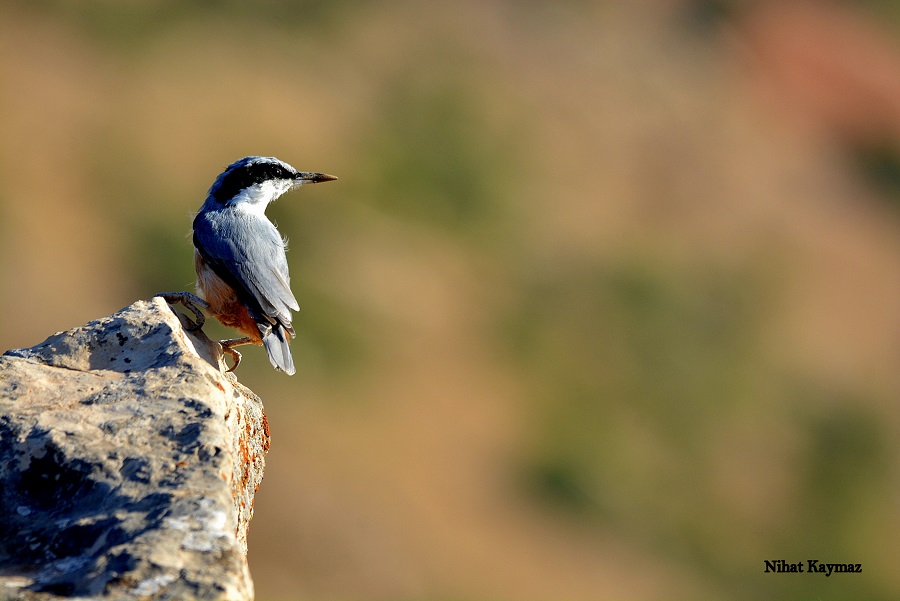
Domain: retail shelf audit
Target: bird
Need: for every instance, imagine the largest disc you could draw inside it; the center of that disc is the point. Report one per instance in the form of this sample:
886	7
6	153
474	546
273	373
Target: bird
240	259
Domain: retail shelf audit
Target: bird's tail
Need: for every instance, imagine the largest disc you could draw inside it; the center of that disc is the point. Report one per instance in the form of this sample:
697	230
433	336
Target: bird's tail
279	350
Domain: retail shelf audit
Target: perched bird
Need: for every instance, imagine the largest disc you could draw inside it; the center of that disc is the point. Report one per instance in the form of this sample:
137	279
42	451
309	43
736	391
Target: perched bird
239	256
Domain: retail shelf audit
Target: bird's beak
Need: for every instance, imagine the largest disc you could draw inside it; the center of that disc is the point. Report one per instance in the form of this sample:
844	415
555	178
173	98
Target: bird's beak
313	178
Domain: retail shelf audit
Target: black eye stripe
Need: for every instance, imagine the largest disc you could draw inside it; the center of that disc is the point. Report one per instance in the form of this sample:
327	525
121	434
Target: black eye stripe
245	176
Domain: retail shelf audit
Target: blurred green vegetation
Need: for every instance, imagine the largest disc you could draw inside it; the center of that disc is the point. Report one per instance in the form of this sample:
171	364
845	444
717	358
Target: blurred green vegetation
708	15
634	345
879	162
434	159
888	11
633	368
431	164
130	26
635	341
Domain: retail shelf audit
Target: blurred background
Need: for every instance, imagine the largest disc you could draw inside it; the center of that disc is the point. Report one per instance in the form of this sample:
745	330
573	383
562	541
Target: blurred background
605	304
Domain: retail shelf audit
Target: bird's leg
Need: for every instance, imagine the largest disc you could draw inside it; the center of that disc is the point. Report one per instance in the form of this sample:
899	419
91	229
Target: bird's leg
228	347
190	301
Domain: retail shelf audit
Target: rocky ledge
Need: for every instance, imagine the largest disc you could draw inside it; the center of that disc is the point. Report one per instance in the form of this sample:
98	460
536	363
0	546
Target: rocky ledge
128	464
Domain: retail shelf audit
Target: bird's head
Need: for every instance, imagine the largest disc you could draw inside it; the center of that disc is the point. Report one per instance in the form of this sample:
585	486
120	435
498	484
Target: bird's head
259	180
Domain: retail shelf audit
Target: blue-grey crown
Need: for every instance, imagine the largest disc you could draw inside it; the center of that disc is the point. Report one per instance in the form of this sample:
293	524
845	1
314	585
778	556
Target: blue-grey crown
247	172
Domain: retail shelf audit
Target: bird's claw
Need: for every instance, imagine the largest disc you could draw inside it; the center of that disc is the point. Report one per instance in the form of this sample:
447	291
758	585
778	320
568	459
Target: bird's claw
236	356
192	302
228	347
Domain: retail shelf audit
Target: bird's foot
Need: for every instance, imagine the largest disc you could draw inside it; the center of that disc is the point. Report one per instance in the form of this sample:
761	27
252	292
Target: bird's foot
191	302
228	348
235	356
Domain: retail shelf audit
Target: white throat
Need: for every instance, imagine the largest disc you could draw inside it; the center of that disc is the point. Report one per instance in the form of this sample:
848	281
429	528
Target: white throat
258	196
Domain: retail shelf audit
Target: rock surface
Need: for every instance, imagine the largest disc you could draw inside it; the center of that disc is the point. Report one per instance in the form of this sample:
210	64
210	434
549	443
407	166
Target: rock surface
128	464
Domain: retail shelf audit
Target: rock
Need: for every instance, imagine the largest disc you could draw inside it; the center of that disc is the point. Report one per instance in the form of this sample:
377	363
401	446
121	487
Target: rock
128	464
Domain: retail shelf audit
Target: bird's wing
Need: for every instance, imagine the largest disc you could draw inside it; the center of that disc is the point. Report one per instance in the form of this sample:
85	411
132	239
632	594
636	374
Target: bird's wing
247	252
